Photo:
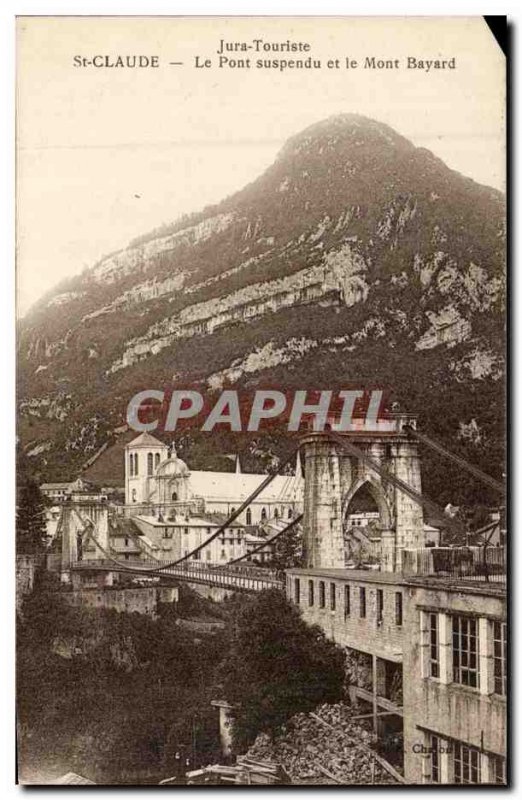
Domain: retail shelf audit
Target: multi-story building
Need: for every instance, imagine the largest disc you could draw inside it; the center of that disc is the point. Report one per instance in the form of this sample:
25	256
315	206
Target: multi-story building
430	658
169	510
455	660
264	550
75	491
424	629
55	491
178	535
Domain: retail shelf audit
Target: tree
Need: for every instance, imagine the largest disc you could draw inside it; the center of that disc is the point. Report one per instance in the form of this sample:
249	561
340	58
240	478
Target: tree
288	550
156	679
31	532
276	666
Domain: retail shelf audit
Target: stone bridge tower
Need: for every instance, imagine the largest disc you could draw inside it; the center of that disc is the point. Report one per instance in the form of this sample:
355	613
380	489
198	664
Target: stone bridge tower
74	545
332	479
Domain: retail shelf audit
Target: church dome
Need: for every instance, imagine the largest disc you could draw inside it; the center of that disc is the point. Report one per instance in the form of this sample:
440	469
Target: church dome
172	468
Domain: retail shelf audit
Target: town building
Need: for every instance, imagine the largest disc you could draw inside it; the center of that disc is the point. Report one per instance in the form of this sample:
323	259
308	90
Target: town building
76	491
170	511
156	478
55	491
432	662
424	628
177	535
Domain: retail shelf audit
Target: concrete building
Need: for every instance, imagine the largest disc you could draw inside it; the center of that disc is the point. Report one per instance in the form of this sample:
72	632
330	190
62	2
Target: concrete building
455	724
433	655
424	630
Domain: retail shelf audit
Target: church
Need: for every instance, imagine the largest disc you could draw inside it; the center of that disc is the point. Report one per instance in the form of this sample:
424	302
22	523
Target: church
157	480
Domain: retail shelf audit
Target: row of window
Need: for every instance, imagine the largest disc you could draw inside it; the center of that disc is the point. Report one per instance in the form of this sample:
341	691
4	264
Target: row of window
198	557
264	514
232	534
362	523
465	645
465	763
347	599
153	461
207	555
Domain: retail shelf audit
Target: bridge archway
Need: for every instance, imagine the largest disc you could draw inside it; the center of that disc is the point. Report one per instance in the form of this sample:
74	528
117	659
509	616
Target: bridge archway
365	514
367	489
334	475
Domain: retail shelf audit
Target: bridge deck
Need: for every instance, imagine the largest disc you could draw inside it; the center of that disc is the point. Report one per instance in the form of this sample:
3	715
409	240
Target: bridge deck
240	579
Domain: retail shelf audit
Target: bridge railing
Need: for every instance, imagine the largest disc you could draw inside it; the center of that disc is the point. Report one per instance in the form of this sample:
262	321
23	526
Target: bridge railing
208	571
254	571
483	564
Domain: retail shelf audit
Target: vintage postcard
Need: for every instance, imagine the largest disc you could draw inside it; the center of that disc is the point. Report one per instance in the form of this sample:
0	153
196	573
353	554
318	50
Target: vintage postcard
261	386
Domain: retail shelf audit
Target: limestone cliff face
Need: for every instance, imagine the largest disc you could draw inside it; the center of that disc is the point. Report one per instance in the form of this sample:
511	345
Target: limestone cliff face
354	254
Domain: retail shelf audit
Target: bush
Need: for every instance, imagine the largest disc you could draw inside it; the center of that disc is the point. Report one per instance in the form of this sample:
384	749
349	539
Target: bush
276	666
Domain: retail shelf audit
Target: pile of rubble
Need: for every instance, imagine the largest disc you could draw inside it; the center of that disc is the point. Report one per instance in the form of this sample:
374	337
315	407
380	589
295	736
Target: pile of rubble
326	747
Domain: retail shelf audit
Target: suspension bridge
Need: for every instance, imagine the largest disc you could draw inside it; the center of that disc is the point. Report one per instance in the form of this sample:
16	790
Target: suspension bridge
336	466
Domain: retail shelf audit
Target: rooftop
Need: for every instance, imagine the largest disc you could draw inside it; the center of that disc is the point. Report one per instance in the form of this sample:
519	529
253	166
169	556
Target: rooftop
235	486
182	522
471	584
145	440
367	575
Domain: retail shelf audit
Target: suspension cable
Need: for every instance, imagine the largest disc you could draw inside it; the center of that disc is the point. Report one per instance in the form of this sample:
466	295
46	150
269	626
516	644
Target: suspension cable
422	500
267	541
487	479
136	569
285	488
234	515
88	526
231	518
88	531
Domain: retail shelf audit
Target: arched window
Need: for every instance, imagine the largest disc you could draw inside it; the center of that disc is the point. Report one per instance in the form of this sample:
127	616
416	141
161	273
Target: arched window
276	513
149	464
174	497
134	495
263	514
156	460
232	511
290	513
131	465
249	517
136	464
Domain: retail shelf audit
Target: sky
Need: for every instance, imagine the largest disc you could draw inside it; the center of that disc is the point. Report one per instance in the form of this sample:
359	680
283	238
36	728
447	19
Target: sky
105	154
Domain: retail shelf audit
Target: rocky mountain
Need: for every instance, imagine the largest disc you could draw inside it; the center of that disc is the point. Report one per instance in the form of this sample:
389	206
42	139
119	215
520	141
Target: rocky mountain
355	259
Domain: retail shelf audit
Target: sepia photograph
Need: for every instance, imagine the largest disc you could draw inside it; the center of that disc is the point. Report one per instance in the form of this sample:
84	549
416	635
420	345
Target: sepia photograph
261	437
